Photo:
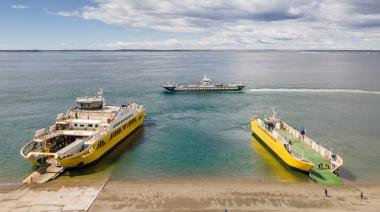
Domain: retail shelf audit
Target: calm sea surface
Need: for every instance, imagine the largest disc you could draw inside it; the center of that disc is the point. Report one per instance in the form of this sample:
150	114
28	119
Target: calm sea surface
199	135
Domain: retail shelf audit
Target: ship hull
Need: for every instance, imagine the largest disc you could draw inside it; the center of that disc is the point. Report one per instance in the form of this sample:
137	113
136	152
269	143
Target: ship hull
278	149
206	89
104	144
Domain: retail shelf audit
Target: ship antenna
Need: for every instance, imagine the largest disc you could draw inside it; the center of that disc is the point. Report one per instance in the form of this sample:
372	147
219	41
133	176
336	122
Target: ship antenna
100	92
100	95
274	113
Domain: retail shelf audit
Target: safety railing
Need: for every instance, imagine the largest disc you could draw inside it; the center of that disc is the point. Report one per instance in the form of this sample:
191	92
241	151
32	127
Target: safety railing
336	160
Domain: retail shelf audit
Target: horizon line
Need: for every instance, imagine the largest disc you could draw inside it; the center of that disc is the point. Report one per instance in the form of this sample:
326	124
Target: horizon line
115	50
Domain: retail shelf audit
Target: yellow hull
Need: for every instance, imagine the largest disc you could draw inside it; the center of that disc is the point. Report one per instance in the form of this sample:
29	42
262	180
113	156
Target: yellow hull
278	148
105	143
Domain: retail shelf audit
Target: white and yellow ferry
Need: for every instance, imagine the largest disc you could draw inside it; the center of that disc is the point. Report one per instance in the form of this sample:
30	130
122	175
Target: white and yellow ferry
80	136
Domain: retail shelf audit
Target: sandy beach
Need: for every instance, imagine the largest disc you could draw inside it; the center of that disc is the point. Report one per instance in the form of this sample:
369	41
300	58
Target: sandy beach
188	195
234	195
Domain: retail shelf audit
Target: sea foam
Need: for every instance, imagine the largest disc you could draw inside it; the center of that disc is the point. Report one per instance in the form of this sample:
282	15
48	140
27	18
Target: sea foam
312	90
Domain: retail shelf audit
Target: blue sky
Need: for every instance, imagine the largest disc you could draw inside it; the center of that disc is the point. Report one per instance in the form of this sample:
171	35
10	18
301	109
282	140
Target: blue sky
190	24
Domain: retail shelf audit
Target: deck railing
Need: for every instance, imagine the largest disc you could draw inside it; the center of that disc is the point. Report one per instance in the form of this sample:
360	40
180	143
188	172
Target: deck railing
50	134
278	136
323	151
28	147
97	136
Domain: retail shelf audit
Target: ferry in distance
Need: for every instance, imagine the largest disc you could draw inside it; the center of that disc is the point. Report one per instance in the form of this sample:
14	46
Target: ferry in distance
80	136
204	85
297	150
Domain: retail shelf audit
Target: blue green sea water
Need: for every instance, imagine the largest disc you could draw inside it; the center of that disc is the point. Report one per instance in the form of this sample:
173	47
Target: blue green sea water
334	95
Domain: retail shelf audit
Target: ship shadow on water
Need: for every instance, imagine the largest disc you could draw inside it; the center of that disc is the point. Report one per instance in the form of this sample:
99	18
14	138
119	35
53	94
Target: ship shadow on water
110	158
346	175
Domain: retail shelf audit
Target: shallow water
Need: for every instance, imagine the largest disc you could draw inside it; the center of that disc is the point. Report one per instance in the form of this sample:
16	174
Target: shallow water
334	95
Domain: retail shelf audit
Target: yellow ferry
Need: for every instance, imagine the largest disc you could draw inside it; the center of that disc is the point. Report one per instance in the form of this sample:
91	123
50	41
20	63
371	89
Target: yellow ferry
297	150
80	136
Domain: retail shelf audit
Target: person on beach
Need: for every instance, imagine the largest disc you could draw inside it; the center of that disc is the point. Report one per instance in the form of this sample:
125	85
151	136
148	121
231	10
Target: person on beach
326	194
361	195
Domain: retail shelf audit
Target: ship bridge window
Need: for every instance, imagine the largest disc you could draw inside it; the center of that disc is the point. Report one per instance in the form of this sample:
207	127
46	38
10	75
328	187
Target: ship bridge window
90	125
96	125
82	125
75	125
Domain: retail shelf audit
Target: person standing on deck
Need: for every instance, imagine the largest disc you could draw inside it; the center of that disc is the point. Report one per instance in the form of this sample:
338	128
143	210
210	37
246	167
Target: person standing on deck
302	132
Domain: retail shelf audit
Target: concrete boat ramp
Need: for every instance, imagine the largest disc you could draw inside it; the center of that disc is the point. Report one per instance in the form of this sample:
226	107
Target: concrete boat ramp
44	173
63	194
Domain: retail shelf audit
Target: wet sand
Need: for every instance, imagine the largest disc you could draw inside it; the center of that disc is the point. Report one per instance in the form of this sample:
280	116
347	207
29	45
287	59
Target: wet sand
234	195
189	195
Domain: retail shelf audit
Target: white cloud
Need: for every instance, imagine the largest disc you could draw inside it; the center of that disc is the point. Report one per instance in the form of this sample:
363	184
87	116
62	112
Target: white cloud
251	24
20	7
190	15
148	44
65	14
